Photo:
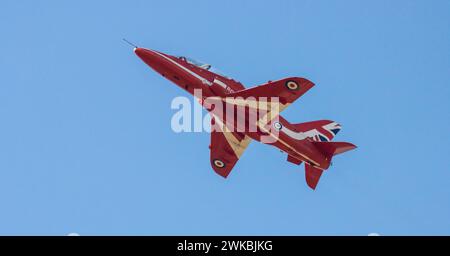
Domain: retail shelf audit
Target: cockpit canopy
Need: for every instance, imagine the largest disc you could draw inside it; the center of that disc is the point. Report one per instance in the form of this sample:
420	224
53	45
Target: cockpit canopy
195	62
202	65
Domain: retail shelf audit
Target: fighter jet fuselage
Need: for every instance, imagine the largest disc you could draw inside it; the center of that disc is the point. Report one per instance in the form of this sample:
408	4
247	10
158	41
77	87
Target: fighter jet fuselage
308	143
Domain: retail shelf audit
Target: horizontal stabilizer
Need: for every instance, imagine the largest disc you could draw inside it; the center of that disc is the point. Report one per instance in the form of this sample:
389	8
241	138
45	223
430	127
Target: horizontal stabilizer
294	160
330	149
312	175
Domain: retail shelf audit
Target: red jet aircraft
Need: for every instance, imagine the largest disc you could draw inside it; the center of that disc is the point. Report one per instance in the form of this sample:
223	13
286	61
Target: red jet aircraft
308	142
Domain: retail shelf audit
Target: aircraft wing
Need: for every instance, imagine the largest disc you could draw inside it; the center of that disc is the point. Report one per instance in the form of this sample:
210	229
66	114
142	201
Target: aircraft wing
226	146
226	149
287	90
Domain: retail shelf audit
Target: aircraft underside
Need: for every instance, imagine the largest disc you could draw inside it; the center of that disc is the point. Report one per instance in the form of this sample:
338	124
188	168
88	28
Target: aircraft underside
240	115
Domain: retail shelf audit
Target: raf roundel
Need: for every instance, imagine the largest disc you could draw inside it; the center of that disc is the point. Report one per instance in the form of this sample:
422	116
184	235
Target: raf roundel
218	163
277	126
292	85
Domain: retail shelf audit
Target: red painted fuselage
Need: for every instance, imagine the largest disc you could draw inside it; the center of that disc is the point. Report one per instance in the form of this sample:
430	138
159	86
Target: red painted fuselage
302	142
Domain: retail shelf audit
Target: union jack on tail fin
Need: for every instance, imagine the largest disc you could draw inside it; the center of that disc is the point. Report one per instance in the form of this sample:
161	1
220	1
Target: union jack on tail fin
320	130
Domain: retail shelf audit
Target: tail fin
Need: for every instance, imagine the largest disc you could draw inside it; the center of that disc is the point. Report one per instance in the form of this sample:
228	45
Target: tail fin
320	130
329	149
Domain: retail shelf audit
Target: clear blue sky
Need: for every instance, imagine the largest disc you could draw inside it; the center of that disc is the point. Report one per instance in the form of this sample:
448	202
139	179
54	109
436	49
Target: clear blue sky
85	138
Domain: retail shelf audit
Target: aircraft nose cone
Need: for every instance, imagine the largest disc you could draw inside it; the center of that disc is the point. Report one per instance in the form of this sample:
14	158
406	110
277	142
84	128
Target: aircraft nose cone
140	52
148	56
156	60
